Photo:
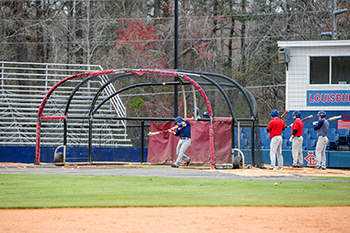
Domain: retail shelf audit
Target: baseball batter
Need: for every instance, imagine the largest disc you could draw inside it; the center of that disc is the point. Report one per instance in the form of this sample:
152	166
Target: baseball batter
184	132
322	140
297	138
275	128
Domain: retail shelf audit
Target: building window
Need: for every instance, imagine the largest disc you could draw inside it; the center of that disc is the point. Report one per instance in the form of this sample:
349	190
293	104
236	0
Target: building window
340	70
320	70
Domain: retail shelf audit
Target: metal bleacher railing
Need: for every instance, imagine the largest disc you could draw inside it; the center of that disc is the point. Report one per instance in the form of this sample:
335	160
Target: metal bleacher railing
23	87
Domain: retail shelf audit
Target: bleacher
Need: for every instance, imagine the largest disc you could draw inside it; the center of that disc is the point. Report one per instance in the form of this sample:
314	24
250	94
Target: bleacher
343	138
23	87
264	137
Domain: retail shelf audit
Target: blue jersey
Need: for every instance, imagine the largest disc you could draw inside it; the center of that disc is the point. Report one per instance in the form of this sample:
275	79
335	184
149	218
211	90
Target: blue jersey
322	128
184	130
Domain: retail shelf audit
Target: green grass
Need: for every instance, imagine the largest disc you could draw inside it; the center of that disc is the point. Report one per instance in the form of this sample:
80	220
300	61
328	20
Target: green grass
51	191
331	177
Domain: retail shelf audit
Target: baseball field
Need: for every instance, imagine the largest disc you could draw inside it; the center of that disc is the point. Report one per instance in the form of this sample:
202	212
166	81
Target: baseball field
162	199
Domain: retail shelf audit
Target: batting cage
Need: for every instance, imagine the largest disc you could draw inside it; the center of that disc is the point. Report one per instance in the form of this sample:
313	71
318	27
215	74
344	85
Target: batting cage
117	116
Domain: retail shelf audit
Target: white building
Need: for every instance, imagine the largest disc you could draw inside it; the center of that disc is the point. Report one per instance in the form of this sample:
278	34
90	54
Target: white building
317	76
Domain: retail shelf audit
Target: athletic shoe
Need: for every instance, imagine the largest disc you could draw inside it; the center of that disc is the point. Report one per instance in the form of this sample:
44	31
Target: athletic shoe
280	169
188	162
272	168
323	168
173	165
300	166
317	167
293	166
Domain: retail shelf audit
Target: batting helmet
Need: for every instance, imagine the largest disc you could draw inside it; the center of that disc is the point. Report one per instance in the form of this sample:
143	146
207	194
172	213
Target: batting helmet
206	114
322	114
297	114
197	111
274	113
179	119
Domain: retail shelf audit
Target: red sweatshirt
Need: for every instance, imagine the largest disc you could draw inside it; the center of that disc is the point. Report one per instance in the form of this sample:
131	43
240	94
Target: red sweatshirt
275	127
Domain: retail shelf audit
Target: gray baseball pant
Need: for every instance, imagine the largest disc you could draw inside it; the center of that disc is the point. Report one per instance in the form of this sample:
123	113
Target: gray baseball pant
180	151
321	151
297	148
276	149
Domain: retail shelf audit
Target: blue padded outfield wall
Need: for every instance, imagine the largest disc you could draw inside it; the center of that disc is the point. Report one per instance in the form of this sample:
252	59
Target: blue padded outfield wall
26	154
334	159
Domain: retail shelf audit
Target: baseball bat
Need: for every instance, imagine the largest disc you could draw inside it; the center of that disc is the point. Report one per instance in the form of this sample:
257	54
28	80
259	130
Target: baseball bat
334	118
285	113
304	119
159	132
329	119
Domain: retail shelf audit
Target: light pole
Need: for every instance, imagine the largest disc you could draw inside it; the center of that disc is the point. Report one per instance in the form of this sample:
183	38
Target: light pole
333	34
176	28
334	21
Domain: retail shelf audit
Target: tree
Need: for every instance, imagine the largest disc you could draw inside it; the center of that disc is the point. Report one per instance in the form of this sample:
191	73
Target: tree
39	33
139	46
22	54
237	38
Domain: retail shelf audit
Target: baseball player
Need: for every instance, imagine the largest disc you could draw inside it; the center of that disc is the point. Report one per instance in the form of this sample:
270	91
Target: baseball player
321	126
184	131
297	139
195	114
206	114
275	128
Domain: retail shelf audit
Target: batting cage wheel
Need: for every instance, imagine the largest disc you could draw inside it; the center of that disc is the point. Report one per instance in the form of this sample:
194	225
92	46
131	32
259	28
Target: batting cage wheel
58	159
237	162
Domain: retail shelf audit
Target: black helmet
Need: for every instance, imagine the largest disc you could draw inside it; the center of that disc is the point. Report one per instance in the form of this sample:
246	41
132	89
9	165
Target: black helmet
322	114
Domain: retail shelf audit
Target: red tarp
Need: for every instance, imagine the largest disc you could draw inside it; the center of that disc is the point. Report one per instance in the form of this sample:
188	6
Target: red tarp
162	147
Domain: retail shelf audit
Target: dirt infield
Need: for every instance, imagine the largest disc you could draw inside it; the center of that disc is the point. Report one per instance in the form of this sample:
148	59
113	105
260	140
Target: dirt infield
175	219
